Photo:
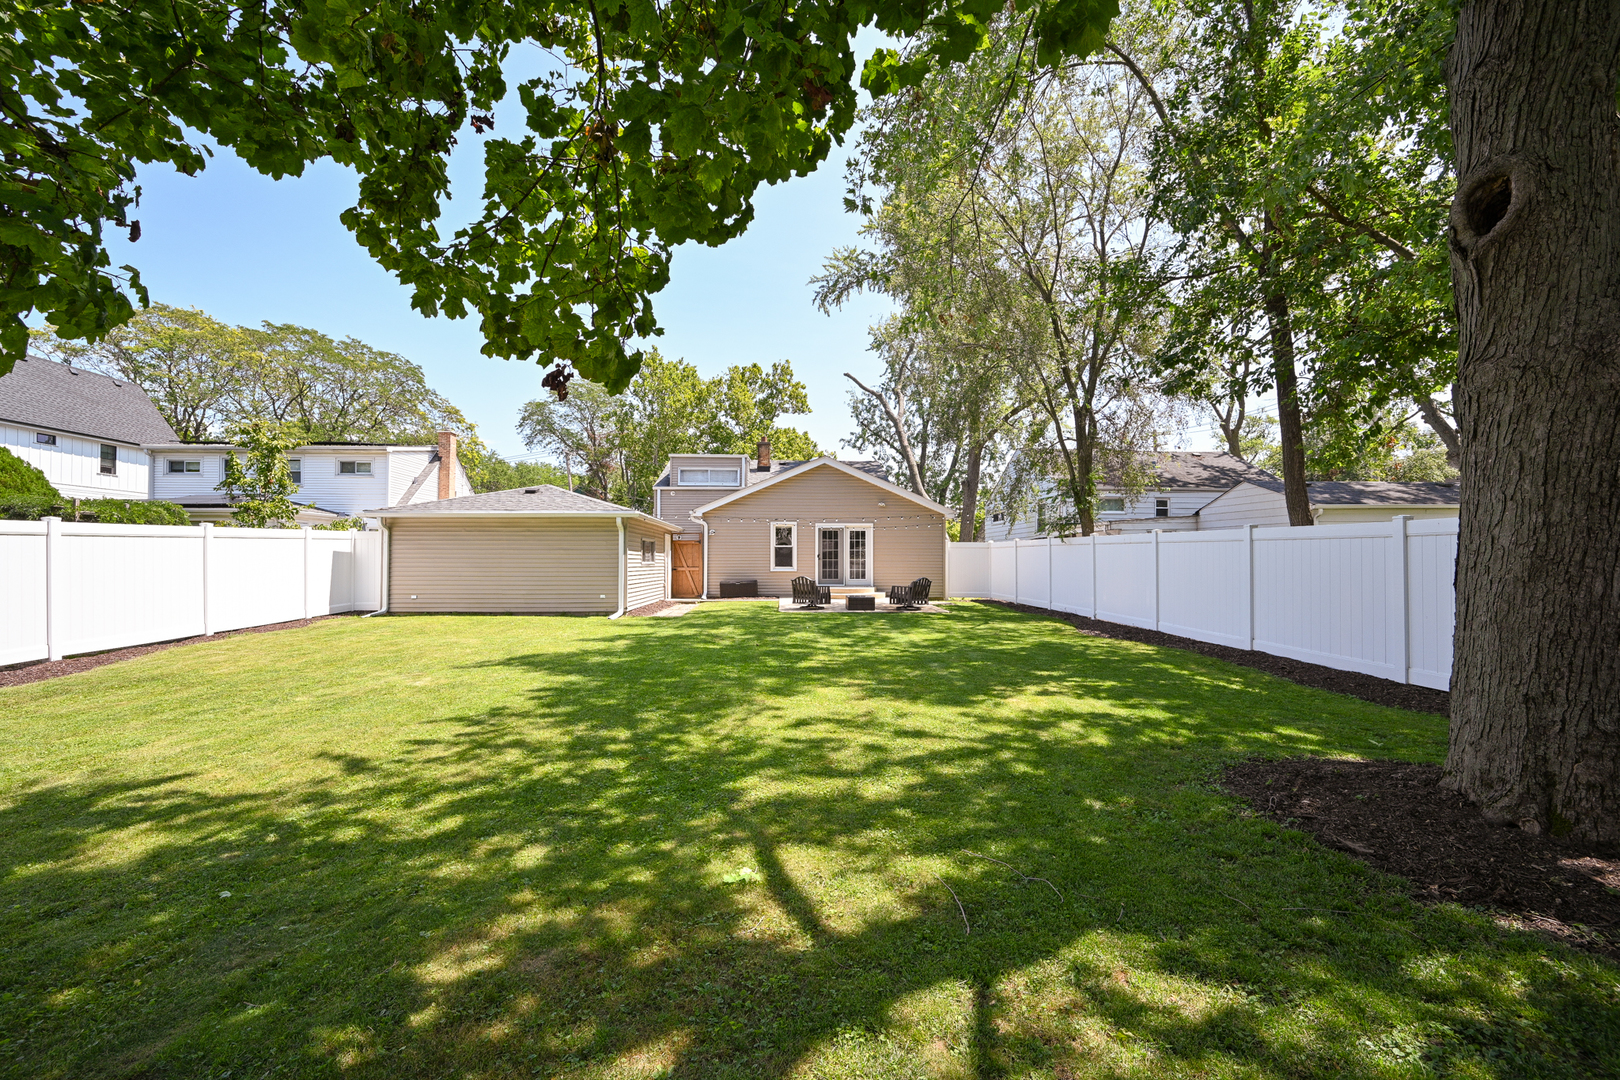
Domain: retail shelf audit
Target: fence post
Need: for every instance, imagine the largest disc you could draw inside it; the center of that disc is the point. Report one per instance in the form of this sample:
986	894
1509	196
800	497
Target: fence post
1049	590
207	573
1015	570
1248	584
307	535
1400	649
1156	533
1094	574
53	588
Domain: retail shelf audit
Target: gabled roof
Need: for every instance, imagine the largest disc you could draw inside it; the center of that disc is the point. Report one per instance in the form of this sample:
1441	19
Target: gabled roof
542	500
754	475
1373	492
1207	470
44	394
804	467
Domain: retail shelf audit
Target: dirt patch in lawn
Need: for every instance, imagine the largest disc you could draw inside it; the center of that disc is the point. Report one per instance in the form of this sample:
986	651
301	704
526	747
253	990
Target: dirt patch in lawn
37	670
1366	687
1395	816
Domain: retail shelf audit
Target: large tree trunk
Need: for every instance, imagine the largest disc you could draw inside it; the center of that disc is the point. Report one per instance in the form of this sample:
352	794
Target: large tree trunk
970	488
1290	428
1535	257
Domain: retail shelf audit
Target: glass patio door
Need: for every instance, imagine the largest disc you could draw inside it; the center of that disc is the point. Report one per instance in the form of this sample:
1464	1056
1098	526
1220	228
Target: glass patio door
829	557
857	543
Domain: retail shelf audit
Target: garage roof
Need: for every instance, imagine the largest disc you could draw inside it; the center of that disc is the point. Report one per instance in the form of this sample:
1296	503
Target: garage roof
542	500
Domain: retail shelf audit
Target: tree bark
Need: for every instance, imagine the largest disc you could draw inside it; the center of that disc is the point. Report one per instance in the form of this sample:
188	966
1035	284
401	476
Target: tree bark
1290	428
970	489
1535	258
1437	422
895	418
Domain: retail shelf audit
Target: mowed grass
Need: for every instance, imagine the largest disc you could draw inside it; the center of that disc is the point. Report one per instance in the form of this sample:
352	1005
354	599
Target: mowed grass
734	844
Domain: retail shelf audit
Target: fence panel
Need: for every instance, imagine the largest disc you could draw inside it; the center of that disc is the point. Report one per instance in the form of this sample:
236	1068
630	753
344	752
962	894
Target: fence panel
1204	586
1004	571
1324	598
122	585
1125	579
1375	597
1431	563
1034	572
22	592
257	578
967	566
1071	576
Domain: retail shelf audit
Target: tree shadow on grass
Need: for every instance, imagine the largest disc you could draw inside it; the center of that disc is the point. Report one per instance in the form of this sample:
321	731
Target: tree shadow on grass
557	883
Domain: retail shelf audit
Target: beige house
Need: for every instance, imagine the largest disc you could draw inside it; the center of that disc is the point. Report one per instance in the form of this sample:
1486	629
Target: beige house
753	525
531	550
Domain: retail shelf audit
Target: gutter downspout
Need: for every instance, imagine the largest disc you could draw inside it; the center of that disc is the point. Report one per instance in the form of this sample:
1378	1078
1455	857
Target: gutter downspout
705	535
387	546
623	596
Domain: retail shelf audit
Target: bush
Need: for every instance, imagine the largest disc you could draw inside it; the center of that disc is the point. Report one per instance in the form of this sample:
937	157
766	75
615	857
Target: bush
15	506
17	477
131	512
348	524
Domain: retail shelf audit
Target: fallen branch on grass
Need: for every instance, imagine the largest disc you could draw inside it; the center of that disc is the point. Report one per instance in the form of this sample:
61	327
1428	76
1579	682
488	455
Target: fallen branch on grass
1023	876
959	906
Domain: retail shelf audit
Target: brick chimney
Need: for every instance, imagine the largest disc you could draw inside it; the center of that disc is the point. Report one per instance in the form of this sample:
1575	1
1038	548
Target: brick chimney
447	464
764	455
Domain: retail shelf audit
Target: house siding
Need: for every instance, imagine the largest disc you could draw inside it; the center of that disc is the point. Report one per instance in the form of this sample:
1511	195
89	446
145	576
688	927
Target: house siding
1245	504
1346	515
1183	503
73	465
676	504
645	583
908	540
495	565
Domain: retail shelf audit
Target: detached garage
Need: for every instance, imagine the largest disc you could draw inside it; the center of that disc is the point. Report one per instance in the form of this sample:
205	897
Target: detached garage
530	550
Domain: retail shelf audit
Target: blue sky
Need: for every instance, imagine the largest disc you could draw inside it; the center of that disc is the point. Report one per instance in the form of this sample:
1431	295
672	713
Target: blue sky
247	249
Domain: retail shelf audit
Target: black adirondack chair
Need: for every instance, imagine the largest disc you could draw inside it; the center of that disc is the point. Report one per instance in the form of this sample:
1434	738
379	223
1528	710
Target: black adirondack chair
808	595
899	595
917	594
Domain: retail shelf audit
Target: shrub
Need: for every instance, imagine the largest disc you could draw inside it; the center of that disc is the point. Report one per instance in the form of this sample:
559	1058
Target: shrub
348	524
131	512
17	477
16	506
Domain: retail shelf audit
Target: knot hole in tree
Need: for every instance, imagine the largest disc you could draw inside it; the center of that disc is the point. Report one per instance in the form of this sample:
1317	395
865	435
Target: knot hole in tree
1487	204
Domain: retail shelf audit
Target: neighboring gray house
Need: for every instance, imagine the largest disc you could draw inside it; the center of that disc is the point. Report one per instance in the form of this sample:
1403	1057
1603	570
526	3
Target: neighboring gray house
1333	502
85	431
1184	481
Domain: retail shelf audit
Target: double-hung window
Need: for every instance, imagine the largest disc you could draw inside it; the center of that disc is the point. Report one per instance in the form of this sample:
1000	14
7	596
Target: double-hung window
179	465
706	477
295	469
109	460
649	551
1161	507
784	535
354	468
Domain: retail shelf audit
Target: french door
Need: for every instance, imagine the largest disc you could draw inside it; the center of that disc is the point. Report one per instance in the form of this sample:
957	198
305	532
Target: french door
844	554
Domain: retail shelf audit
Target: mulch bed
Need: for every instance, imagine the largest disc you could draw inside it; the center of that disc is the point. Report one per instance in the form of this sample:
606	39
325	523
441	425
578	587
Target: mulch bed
1394	815
652	609
38	670
1366	687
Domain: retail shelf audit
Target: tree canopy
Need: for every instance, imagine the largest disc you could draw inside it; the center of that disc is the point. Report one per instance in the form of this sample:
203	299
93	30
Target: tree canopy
651	125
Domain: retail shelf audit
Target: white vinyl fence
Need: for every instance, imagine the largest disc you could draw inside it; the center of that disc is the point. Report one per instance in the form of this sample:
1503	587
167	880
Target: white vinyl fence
1375	598
68	588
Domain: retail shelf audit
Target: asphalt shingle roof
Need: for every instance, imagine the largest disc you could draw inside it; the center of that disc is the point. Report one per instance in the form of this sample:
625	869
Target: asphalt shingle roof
754	475
542	499
1373	492
42	393
1210	470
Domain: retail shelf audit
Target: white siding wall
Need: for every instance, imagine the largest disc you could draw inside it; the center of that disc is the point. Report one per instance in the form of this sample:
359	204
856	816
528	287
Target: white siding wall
111	586
349	495
1345	515
1247	504
1375	598
1182	504
404	466
177	487
73	465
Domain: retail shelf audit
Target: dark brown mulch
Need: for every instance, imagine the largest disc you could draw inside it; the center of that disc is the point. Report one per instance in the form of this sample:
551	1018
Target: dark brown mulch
1366	687
37	670
1395	816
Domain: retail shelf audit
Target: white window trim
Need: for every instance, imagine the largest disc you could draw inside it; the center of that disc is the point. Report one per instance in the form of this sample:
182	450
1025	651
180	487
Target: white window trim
337	465
44	438
708	469
1101	509
170	470
770	548
843	548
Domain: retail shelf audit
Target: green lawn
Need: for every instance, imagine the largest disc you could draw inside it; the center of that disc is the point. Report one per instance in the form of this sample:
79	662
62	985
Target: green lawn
723	845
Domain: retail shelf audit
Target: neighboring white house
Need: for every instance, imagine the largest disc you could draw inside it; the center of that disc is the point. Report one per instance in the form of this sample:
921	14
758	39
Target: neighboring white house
1184	481
85	431
94	436
334	479
1333	502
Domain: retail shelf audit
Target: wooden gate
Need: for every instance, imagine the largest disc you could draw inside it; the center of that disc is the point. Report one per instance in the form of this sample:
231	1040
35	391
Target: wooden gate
686	569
